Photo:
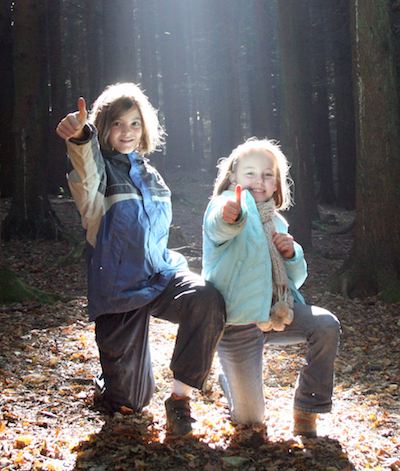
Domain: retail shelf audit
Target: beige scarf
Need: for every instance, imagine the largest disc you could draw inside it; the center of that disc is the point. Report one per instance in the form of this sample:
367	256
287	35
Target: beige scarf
281	313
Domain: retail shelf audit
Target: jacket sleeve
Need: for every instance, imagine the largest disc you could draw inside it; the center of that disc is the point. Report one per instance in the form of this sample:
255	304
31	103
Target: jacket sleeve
87	181
215	228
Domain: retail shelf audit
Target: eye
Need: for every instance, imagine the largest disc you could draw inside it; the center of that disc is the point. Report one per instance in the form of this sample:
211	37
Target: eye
116	124
136	123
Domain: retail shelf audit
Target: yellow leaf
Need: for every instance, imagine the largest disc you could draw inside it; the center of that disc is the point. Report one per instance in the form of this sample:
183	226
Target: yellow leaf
22	442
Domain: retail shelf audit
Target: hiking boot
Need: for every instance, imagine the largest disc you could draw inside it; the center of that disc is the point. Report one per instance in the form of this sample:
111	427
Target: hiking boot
304	424
179	421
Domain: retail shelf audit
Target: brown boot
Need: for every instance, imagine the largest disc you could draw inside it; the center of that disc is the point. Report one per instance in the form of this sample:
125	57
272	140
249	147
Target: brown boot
304	424
179	421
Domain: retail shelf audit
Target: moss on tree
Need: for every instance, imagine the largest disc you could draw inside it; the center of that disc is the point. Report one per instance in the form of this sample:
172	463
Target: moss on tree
13	290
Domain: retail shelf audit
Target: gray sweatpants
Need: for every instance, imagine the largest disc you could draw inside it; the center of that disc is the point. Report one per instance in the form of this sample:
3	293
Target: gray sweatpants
123	342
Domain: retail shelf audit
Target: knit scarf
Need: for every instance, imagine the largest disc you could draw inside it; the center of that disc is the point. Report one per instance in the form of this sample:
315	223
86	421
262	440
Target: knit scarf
281	313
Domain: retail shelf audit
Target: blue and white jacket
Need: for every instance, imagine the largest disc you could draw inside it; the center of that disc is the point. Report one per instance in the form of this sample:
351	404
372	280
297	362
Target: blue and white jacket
236	260
126	211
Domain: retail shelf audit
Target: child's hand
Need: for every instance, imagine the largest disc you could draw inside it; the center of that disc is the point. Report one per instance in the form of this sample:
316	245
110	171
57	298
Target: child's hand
231	209
284	243
72	125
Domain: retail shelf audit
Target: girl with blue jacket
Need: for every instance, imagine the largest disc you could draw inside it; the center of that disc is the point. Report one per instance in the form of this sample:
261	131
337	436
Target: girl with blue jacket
125	207
254	262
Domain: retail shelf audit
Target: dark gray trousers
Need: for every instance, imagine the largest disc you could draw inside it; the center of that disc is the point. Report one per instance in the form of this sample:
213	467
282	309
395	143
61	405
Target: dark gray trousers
123	341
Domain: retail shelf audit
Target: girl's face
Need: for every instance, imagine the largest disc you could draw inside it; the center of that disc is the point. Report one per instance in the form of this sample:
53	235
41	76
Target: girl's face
126	132
256	172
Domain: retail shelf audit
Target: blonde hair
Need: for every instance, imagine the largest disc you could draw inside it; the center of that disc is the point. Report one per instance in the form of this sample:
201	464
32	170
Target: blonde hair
227	166
114	102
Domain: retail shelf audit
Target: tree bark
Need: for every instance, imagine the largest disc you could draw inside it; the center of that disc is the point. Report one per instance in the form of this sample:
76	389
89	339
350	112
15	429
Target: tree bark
30	214
175	84
7	101
374	263
344	107
296	128
321	125
262	71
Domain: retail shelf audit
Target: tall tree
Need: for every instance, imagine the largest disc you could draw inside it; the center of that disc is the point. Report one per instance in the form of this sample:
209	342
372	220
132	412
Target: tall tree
221	20
93	14
118	41
374	263
173	17
7	149
147	20
55	162
344	105
296	108
262	69
30	213
320	32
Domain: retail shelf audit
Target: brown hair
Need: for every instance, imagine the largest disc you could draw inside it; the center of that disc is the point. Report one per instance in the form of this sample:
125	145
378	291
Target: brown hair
114	102
227	166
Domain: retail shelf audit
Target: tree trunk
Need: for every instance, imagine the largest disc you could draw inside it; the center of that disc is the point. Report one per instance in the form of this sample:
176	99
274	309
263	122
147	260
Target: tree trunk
374	264
147	19
223	81
175	84
30	213
321	125
296	111
344	107
7	101
56	161
118	41
261	71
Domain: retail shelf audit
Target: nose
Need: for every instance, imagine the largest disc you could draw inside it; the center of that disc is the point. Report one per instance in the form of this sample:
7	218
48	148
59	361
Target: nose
125	129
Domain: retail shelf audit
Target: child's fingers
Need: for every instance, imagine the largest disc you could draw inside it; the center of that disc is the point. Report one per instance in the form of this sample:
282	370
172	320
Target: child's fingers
238	193
230	212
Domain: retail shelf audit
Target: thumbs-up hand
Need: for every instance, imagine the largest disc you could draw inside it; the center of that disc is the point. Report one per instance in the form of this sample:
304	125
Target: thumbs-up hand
72	125
232	208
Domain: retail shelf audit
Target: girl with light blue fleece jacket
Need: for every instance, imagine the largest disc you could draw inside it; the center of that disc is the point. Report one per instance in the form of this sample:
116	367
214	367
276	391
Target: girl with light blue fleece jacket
254	262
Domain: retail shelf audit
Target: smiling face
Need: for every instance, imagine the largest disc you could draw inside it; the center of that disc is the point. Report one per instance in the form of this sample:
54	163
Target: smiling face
126	132
256	171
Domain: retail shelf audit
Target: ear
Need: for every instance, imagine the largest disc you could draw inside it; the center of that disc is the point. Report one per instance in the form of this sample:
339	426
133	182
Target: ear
232	178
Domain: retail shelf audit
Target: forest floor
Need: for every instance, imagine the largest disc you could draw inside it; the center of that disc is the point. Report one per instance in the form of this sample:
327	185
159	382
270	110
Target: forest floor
48	358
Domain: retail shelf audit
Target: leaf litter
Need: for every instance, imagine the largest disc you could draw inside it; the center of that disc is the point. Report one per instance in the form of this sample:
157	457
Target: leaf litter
48	358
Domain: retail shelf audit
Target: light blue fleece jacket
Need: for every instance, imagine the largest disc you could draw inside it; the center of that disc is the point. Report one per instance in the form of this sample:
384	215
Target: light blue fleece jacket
236	260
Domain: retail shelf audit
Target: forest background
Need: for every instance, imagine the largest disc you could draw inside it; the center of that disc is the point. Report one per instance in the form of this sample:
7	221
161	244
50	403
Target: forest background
319	76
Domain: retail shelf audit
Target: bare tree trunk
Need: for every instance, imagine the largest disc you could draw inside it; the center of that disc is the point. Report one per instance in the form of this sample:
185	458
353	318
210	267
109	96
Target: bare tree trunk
321	126
7	101
262	73
344	107
175	83
30	214
296	111
374	263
